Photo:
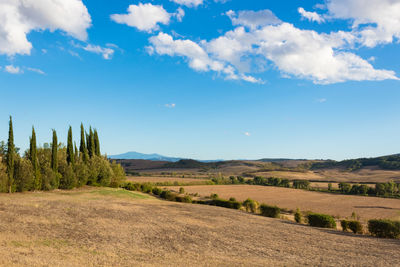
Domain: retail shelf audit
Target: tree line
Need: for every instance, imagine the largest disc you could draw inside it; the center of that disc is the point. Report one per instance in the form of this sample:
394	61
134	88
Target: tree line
56	166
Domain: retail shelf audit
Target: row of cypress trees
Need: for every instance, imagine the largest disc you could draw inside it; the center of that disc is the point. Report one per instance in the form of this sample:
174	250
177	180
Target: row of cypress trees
63	167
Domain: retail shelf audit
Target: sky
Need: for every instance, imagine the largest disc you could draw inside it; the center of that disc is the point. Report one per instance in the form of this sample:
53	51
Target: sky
205	79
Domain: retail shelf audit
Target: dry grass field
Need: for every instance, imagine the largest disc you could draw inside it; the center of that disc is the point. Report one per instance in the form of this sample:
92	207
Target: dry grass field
152	179
371	175
109	227
334	204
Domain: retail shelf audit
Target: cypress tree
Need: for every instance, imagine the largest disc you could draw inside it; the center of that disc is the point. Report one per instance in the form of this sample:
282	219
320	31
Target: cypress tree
10	156
82	148
34	160
91	145
54	148
76	153
70	148
96	143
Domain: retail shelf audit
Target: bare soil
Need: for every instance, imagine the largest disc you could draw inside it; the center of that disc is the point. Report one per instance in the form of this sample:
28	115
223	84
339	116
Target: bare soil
107	227
340	206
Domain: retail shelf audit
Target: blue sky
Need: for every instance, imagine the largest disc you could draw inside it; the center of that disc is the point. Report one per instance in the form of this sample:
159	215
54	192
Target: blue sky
206	79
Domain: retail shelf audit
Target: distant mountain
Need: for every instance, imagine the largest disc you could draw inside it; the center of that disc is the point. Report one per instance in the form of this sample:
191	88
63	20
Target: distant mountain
137	155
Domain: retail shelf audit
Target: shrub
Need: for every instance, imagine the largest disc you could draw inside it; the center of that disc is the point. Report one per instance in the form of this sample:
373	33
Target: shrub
184	199
118	175
356	227
146	188
270	211
321	220
214	196
345	225
250	205
168	195
298	216
226	203
384	228
232	199
181	190
156	191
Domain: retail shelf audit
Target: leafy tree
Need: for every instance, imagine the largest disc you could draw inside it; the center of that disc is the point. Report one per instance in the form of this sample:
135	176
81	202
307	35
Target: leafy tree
10	157
82	148
70	148
96	143
3	178
118	174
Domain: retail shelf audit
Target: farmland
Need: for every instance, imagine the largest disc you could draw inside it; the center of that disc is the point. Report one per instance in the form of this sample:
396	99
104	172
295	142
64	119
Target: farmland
112	227
334	204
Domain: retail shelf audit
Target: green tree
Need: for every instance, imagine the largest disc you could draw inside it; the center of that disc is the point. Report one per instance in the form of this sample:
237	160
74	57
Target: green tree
70	148
33	157
54	151
91	144
10	157
82	148
76	153
96	143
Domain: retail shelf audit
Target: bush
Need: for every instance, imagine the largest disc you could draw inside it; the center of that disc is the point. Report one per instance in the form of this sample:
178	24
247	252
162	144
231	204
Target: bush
156	191
181	190
146	188
250	205
226	203
118	175
168	195
356	227
131	187
298	216
345	225
214	196
184	199
270	211
321	220
384	228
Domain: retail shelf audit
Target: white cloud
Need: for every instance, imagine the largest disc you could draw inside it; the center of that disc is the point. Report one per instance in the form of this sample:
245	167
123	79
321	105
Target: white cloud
172	105
19	17
107	53
13	70
180	13
321	100
188	3
253	19
311	16
247	134
146	17
374	21
198	59
38	71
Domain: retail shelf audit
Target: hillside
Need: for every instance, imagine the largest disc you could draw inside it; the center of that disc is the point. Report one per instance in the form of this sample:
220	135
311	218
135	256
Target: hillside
108	227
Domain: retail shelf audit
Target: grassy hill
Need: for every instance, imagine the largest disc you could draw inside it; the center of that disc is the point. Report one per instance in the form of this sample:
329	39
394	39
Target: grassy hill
111	227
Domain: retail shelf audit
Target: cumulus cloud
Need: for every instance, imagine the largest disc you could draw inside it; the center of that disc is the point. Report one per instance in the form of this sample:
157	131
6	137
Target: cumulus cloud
311	16
147	17
253	19
198	59
188	3
299	53
19	17
374	21
13	70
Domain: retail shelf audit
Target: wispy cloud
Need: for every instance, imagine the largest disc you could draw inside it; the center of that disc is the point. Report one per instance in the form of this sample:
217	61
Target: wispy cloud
38	71
13	70
171	105
247	134
322	100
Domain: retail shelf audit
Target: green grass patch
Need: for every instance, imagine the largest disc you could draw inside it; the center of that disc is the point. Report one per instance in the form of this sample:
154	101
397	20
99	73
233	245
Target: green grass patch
121	193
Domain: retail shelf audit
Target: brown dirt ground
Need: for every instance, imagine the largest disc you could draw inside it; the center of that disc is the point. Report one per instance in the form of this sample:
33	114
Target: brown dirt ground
106	227
334	204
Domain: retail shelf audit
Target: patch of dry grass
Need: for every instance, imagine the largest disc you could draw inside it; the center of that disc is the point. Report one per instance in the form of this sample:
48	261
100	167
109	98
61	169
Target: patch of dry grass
333	204
88	227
